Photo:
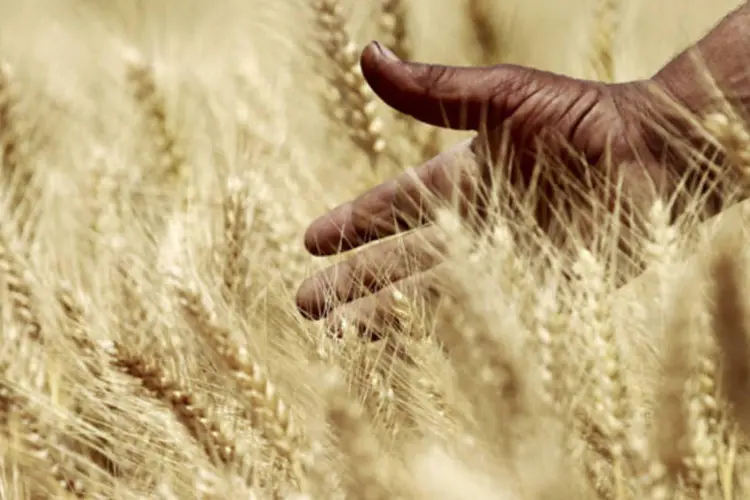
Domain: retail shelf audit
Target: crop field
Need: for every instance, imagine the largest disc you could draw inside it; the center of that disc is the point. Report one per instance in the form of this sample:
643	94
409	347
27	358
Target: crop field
160	161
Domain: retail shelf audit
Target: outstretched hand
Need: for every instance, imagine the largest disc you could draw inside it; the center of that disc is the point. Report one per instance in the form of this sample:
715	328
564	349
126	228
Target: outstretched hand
532	112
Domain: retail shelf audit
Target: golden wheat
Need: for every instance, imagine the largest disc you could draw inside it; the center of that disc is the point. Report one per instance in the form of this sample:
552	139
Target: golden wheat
150	344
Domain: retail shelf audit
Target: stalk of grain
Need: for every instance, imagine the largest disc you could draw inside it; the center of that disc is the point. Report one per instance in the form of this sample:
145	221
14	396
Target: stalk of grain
135	316
661	251
236	226
729	317
369	473
485	34
184	402
483	343
606	23
20	301
394	30
488	345
95	361
672	424
548	328
609	388
705	415
417	376
393	25
23	429
76	331
662	466
354	105
280	224
687	416
265	408
106	211
169	164
730	134
17	178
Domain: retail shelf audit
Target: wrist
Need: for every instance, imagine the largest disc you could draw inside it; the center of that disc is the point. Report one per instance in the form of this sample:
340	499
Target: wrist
713	73
711	76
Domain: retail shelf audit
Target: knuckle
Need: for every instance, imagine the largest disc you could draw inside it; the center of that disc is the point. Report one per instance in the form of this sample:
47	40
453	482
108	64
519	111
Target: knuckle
433	78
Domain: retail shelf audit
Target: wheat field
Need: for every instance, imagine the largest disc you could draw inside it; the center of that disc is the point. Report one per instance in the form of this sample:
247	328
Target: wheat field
160	162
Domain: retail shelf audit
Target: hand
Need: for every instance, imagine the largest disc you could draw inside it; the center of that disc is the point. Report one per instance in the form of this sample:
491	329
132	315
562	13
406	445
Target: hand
539	113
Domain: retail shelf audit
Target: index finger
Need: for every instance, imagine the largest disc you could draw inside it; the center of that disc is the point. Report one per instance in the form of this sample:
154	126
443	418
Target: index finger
400	204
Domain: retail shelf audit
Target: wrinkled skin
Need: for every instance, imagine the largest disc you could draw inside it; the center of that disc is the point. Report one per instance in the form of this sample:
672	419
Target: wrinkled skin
571	118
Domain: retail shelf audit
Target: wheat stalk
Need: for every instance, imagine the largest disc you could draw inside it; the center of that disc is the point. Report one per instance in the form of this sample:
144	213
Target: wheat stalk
353	104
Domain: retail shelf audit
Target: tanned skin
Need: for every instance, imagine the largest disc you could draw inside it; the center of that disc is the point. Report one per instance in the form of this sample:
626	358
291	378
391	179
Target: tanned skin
640	127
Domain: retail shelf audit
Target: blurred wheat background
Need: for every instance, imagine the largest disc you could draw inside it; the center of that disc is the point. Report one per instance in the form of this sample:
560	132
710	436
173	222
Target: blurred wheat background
159	163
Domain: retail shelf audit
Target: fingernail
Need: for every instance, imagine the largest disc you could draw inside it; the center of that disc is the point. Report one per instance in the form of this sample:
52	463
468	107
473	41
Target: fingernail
385	52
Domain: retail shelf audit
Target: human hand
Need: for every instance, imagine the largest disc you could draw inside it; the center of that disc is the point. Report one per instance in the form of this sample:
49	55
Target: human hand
538	113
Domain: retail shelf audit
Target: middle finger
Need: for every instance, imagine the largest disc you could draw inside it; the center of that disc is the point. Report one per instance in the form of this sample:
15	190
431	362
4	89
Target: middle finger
404	203
370	270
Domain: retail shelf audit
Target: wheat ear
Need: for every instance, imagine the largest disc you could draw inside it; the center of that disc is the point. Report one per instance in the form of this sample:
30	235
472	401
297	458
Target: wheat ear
170	163
687	415
184	403
371	475
20	424
672	424
606	17
20	298
395	33
236	227
353	104
8	140
266	410
484	351
485	34
609	392
393	25
730	133
16	175
705	416
729	317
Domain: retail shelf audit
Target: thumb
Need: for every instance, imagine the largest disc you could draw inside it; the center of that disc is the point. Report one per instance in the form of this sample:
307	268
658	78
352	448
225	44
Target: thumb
460	98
